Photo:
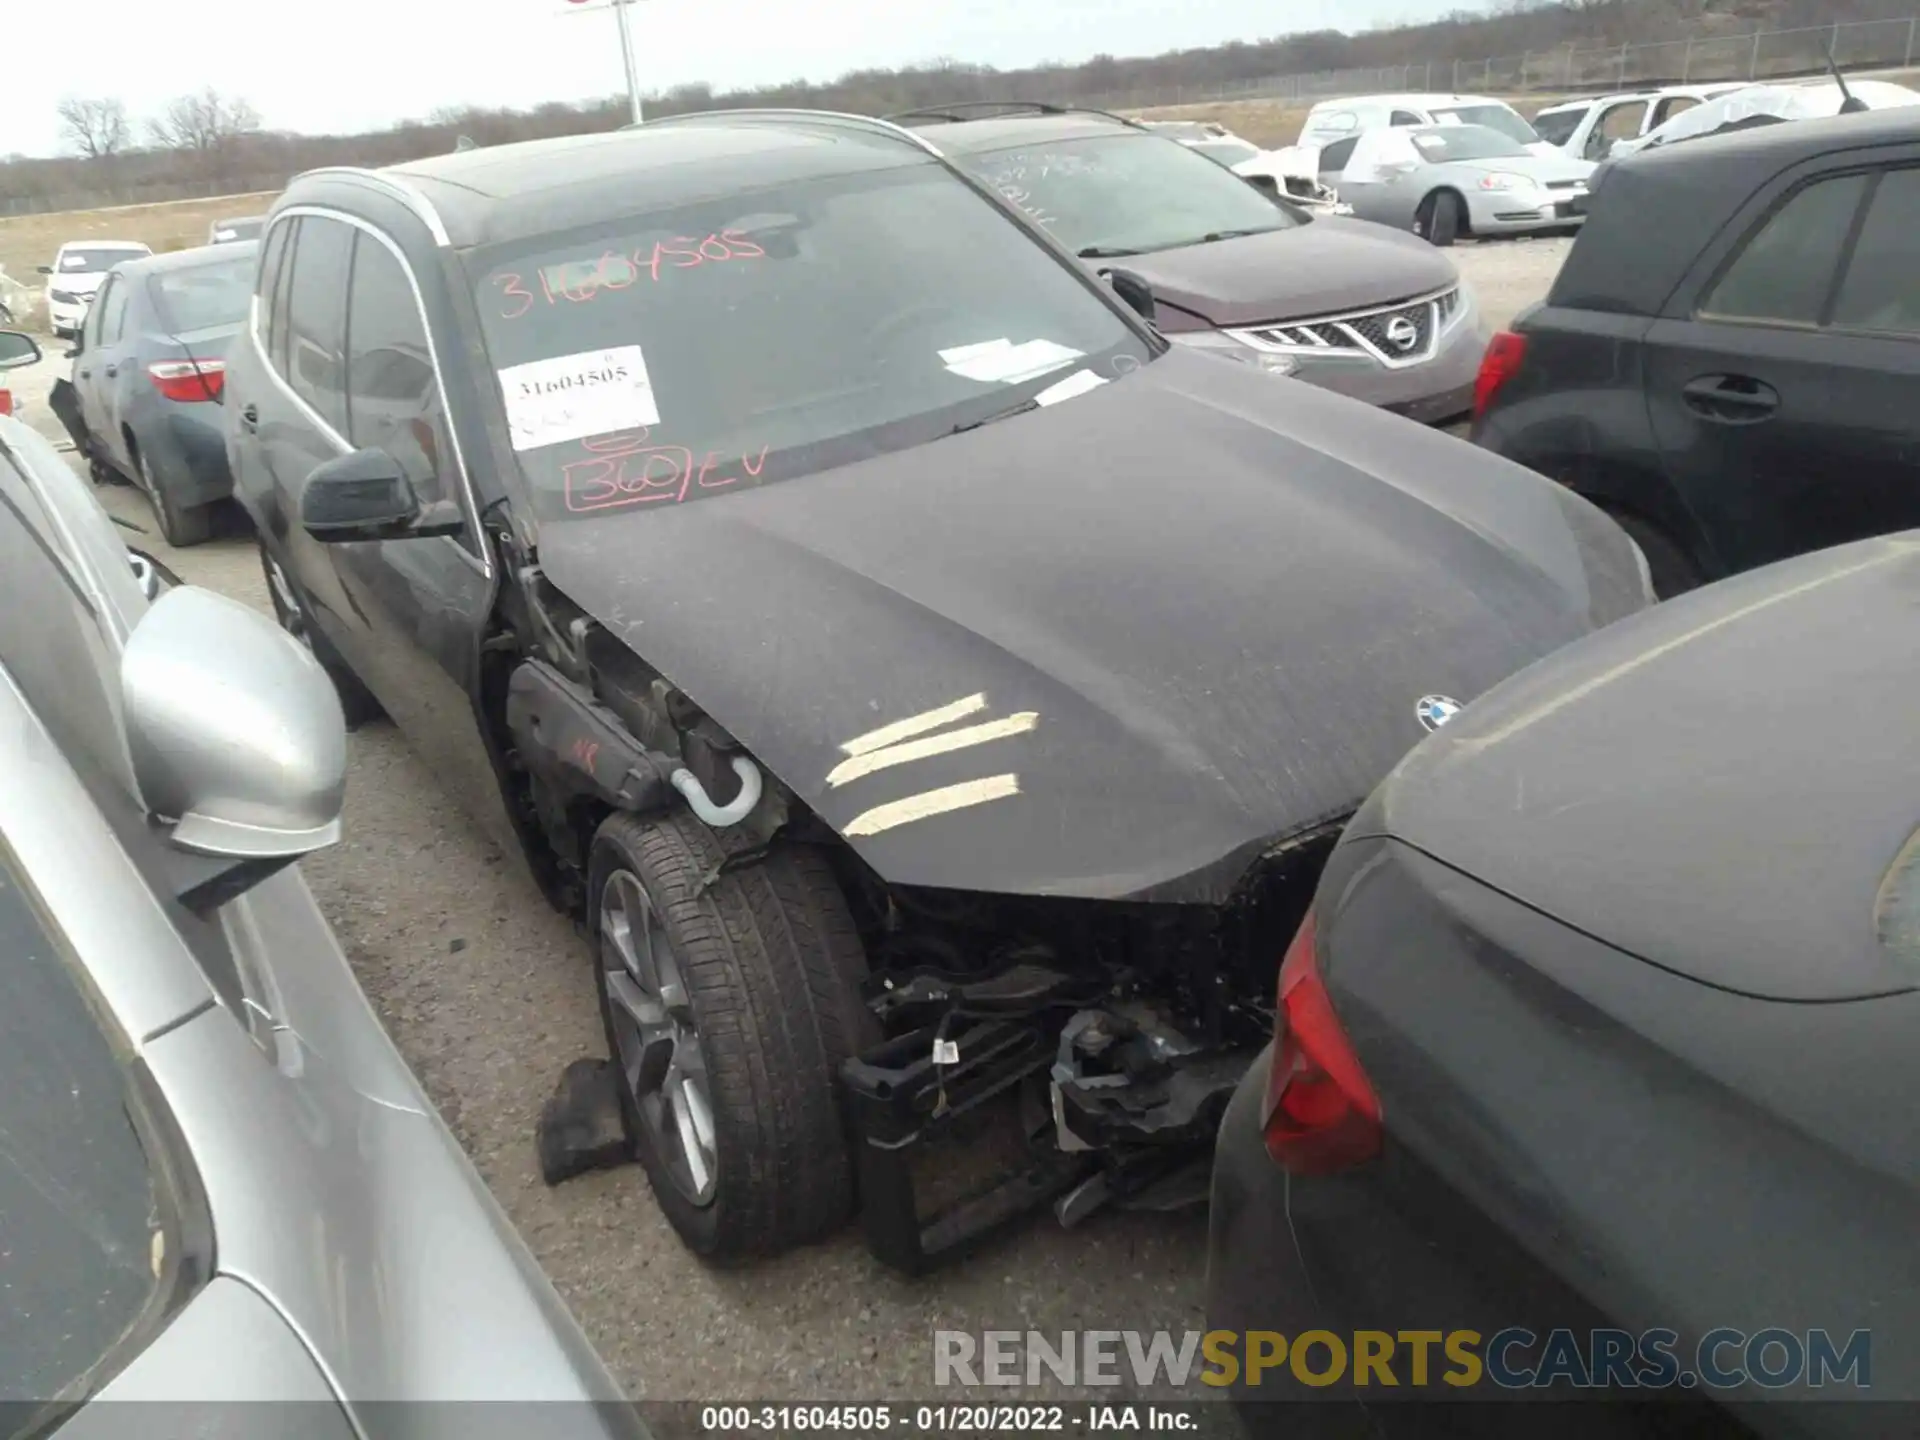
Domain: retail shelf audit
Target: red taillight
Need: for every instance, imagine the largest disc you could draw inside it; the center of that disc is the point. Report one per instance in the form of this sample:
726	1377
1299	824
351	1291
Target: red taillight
1321	1112
6	402
1505	354
189	380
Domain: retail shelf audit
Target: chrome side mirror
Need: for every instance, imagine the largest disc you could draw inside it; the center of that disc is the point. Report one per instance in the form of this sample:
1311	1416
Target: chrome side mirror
236	738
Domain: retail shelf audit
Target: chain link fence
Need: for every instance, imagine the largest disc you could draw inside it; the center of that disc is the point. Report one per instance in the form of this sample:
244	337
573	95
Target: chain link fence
1760	55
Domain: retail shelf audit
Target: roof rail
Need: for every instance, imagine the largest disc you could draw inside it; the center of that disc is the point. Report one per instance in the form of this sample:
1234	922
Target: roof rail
963	110
869	123
400	189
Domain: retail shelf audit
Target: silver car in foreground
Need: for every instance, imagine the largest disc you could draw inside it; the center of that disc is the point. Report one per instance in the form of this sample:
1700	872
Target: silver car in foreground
1451	182
219	1181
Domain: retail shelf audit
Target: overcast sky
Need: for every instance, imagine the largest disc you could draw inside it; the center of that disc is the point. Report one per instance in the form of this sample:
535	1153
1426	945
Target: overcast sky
341	65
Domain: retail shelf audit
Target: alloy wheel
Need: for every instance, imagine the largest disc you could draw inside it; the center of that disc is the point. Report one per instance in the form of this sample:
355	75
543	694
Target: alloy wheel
286	604
661	1060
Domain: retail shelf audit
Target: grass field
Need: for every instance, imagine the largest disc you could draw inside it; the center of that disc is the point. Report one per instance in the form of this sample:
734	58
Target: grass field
1273	123
29	241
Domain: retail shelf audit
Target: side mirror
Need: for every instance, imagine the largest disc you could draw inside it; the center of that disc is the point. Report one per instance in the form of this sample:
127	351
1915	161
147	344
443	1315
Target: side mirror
365	495
1131	288
1265	184
236	738
45	269
17	349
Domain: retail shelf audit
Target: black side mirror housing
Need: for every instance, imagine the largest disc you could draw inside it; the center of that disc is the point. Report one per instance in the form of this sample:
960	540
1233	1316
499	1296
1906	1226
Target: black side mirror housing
365	495
45	269
1265	184
17	349
1136	292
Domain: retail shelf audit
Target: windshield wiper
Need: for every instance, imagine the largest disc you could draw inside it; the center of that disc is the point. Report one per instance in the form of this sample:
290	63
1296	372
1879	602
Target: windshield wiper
1105	252
1012	410
1237	234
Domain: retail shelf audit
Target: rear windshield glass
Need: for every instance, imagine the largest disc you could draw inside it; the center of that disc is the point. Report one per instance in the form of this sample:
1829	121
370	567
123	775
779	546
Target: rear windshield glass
79	1212
1558	128
728	344
93	262
206	295
1446	143
1494	117
1128	194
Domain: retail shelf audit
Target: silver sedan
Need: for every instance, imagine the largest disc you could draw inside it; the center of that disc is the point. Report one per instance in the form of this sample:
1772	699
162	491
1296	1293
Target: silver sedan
1448	182
219	1181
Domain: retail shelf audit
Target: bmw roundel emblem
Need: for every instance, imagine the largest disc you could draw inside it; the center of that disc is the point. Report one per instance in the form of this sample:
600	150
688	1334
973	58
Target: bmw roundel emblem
1435	710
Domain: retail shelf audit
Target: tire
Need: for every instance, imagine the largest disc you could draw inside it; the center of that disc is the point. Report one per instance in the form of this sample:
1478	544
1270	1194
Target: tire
1439	220
357	703
182	526
765	1008
1674	572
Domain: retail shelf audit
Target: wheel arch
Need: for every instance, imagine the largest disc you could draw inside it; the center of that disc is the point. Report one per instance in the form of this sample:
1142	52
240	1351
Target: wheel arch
1620	487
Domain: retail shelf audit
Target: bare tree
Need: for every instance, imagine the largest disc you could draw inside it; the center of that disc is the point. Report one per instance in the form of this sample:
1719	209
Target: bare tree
204	122
95	128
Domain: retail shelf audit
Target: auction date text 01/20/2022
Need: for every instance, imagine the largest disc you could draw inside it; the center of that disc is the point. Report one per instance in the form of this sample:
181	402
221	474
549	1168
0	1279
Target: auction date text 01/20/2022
884	1418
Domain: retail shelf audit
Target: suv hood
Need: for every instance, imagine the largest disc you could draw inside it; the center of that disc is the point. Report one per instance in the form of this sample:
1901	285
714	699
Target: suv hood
1723	786
1149	632
1325	267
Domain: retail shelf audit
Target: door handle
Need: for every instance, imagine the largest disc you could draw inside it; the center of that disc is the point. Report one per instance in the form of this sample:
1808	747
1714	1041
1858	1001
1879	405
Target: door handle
113	372
86	374
1734	399
250	417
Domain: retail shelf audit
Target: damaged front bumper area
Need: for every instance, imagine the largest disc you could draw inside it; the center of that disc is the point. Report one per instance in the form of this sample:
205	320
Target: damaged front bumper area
1076	1085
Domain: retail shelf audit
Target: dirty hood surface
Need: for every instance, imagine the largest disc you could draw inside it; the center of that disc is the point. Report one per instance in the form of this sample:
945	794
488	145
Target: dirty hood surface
1329	265
1723	786
1112	648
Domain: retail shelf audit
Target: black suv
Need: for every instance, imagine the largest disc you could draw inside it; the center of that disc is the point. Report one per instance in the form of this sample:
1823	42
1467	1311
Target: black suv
1729	360
931	687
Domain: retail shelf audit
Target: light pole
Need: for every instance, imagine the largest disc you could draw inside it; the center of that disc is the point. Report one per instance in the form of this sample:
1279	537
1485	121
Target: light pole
629	65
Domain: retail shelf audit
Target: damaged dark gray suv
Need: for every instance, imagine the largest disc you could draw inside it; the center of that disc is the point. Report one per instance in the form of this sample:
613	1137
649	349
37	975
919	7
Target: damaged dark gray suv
935	692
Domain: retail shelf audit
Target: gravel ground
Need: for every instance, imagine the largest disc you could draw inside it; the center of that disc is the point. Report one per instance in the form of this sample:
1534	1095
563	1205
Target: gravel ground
486	990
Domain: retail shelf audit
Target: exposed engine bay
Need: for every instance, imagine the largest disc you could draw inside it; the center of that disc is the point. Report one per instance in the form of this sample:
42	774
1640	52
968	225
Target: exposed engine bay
1026	1050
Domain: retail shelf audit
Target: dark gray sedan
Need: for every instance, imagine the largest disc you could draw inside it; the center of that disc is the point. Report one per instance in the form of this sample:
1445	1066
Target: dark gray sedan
1597	1051
149	372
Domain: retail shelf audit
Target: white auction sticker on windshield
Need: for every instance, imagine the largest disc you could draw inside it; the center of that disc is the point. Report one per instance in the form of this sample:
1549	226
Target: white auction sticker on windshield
573	397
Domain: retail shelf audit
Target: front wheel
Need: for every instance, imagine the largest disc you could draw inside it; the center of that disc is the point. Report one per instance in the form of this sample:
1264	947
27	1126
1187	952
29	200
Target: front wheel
730	999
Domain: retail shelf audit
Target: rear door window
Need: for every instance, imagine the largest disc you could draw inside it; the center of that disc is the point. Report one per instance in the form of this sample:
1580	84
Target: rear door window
113	312
1786	270
1671	106
83	1243
1558	127
1336	155
272	258
1620	122
317	317
277	304
93	328
1880	294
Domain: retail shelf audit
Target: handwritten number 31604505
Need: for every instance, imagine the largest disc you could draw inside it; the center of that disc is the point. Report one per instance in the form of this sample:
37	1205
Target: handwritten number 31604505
575	282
